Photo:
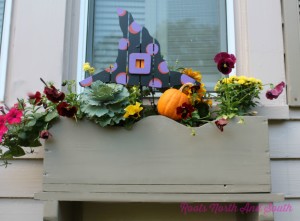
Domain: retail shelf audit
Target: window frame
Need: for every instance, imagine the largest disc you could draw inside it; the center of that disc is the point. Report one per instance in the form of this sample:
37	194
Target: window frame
5	47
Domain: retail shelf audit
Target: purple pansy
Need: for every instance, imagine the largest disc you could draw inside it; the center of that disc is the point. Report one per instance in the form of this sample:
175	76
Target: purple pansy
225	62
221	123
276	91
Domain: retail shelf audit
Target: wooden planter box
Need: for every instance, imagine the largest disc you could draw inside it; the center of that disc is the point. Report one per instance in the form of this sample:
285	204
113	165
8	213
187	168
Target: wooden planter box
158	161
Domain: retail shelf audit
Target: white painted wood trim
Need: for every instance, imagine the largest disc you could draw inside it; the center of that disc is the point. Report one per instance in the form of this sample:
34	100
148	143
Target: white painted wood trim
21	179
230	30
156	197
82	41
241	36
51	210
4	47
292	49
273	112
292	196
21	209
98	188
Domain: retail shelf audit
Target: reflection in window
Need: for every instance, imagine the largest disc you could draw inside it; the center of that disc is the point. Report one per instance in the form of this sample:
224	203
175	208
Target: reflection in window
2	5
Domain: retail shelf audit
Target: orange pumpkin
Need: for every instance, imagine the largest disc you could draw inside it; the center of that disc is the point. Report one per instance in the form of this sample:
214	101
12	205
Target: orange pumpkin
170	100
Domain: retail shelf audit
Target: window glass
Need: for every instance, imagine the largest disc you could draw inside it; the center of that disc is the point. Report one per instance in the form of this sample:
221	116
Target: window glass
2	5
190	32
2	62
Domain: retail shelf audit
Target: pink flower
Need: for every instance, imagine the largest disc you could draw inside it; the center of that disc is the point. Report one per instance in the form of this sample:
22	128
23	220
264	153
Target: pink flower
3	128
1	137
14	116
276	91
221	123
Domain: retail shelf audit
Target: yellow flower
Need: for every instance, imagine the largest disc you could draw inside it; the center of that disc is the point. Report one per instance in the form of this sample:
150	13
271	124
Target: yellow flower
193	74
201	92
91	70
241	81
133	110
209	102
87	67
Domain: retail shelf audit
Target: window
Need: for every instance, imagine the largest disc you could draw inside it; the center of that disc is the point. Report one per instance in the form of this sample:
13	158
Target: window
190	32
2	5
5	13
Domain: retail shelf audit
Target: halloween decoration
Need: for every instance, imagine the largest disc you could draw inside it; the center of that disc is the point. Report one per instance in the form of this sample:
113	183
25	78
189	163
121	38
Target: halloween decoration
139	61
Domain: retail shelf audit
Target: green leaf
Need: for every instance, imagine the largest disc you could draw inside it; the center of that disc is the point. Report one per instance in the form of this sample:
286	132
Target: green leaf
39	115
22	135
51	115
94	110
7	155
15	151
31	123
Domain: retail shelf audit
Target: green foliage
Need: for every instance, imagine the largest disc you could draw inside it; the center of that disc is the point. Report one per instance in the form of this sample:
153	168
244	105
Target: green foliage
237	95
105	103
36	115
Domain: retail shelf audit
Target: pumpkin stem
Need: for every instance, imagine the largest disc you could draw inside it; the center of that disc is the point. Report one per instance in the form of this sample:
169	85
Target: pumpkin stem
185	85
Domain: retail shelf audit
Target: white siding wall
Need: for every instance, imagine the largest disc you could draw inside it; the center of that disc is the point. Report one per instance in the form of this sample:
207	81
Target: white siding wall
35	50
36	46
261	47
285	166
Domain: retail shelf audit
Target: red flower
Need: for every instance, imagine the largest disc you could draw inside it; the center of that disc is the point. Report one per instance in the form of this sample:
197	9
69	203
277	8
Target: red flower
53	94
221	123
35	98
14	116
45	134
225	62
275	92
185	110
224	55
66	110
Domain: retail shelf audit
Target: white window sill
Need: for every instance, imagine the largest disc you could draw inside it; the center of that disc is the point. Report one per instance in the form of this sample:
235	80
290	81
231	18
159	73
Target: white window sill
279	112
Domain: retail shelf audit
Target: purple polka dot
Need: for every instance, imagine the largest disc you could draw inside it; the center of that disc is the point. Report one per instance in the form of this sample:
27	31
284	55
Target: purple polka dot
123	44
121	12
186	79
86	82
152	49
155	83
112	69
121	78
134	28
163	67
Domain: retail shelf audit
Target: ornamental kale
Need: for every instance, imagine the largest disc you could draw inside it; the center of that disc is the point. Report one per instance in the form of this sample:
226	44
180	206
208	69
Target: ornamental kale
105	103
